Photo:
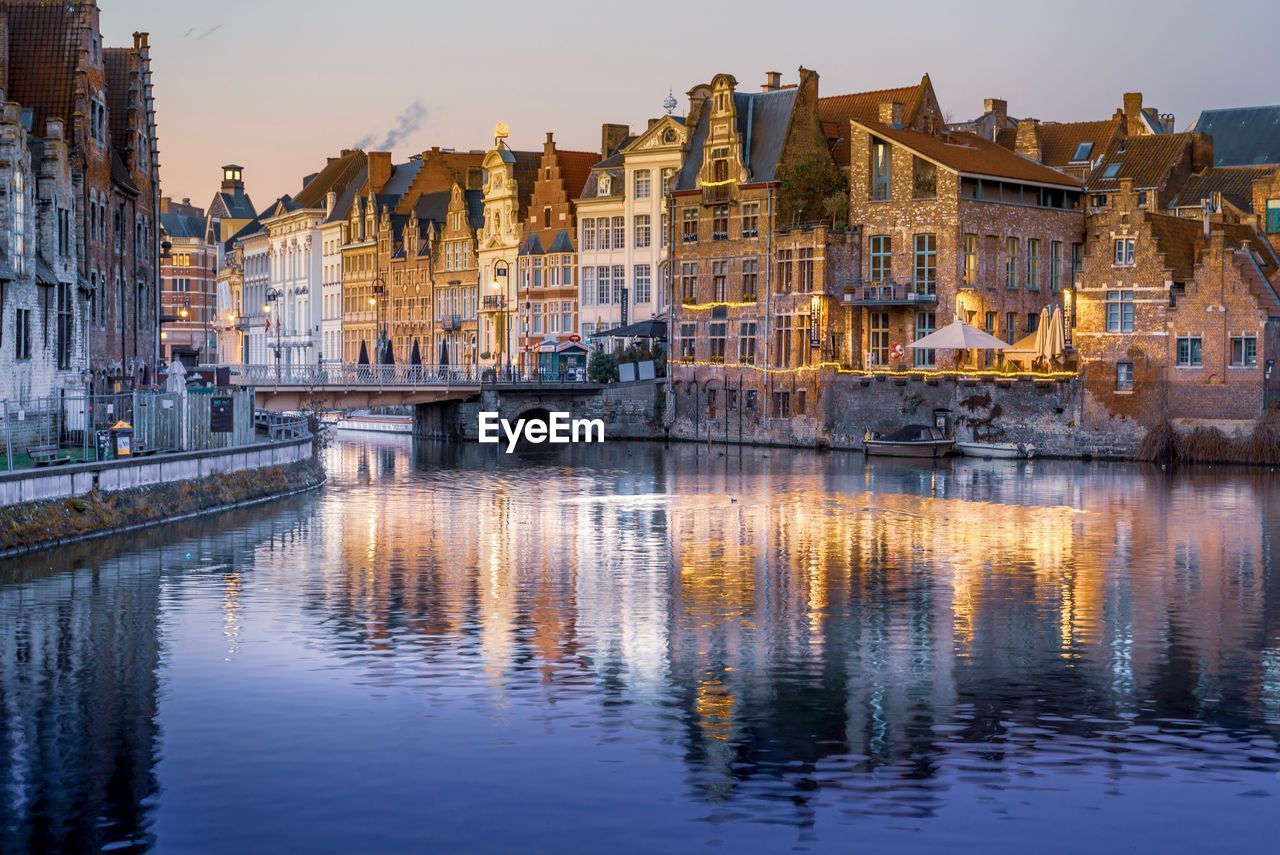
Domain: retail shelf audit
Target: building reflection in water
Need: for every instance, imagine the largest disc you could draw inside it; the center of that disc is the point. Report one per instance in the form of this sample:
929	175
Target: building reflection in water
785	625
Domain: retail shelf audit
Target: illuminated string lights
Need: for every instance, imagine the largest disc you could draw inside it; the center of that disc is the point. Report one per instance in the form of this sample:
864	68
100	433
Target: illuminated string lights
718	183
706	307
835	367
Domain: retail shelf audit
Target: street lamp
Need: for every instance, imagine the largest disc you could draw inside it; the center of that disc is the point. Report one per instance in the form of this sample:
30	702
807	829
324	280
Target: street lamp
378	302
501	271
273	297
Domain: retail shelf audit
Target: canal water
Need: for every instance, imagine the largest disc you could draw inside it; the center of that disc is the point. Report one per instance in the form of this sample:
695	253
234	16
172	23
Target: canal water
649	649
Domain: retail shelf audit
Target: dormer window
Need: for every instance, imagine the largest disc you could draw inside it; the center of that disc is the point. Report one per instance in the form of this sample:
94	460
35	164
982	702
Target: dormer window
1082	153
605	187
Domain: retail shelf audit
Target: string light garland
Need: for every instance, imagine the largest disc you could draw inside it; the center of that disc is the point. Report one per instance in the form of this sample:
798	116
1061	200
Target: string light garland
706	307
940	373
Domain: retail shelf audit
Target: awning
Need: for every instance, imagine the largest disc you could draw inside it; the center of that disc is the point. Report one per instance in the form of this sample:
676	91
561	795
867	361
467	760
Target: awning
958	336
652	328
44	273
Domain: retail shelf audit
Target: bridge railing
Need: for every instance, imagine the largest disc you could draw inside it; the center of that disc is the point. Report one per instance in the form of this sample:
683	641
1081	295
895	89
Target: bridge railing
398	376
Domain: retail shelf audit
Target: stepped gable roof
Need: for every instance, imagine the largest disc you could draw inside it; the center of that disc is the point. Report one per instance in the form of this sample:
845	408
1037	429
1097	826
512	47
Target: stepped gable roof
763	119
835	111
1235	183
43	51
337	173
1242	136
971	155
1182	241
1146	159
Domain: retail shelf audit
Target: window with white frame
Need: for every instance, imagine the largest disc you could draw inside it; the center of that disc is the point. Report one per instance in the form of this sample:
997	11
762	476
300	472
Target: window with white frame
1123	252
1190	351
604	285
619	282
642	182
619	232
1124	376
642	229
589	233
750	219
588	286
644	284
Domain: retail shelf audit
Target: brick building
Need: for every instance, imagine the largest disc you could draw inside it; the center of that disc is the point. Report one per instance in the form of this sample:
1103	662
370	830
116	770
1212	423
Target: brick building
952	227
188	271
547	282
1176	318
55	65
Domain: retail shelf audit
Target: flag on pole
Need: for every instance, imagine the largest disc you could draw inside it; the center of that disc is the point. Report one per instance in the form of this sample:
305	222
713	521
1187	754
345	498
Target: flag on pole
268	323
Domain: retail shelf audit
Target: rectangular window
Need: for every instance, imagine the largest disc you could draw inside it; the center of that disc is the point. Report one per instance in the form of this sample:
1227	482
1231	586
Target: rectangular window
589	233
720	222
665	229
644	287
688	341
566	316
642	184
782	405
970	261
878	339
783	284
1123	252
604	285
1033	264
1055	266
750	219
588	286
717	342
783	350
619	282
1273	216
747	342
689	282
926	266
643	230
689	226
880	157
1190	351
1124	376
602	229
926	323
1120	311
1011	263
1077	259
924	178
719	281
537	318
1010	327
22	334
1244	351
619	232
806	270
750	277
881	258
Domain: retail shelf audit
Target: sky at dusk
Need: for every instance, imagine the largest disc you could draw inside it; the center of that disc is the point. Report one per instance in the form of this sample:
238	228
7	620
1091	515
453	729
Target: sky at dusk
279	85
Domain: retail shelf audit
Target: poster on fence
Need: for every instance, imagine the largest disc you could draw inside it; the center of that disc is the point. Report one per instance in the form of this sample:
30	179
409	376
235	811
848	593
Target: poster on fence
221	414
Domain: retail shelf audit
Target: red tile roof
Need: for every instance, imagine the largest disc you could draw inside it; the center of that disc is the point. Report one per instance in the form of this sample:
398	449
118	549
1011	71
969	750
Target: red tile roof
971	155
835	111
1145	159
575	169
1182	241
1060	140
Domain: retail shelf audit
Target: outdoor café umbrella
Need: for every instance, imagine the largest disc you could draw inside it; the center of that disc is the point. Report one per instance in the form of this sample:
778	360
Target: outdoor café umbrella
1056	344
444	354
652	328
958	336
388	355
364	354
415	357
1042	334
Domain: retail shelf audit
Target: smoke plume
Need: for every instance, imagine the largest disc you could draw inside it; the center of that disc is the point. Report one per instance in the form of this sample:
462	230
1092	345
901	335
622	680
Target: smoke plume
409	120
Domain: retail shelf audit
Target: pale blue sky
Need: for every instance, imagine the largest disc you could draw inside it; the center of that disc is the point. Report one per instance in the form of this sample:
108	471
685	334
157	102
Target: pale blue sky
278	85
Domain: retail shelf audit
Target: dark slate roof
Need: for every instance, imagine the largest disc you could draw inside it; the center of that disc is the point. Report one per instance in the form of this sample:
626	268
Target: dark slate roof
342	207
475	207
591	190
182	226
402	175
763	119
433	207
1235	183
117	63
43	49
1146	159
531	246
563	242
1242	136
968	154
120	174
237	205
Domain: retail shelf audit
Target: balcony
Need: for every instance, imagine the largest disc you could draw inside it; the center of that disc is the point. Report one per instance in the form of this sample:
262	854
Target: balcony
450	323
493	303
886	294
716	194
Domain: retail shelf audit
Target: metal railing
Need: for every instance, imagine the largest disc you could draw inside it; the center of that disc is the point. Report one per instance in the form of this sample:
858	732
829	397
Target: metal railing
886	294
346	375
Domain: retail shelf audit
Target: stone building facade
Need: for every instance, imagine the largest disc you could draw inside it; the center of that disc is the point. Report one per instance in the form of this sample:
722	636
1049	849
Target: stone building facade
55	66
509	177
1176	319
953	227
188	272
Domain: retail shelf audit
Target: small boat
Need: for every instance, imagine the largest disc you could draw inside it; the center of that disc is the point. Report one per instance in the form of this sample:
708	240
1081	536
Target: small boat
376	424
909	441
996	450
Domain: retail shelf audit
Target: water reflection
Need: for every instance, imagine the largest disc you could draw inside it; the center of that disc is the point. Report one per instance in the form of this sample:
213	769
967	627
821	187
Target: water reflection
814	645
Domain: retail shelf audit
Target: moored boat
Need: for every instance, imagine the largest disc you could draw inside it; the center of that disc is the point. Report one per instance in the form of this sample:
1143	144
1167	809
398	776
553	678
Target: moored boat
996	450
377	424
909	441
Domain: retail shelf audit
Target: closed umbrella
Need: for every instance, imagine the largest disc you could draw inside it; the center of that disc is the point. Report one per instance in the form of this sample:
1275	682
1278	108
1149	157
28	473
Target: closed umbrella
415	356
1057	345
1042	335
364	354
444	353
388	354
176	381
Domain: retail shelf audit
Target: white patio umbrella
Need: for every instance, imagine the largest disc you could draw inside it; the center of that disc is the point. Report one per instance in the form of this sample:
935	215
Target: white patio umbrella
1042	334
1056	344
958	336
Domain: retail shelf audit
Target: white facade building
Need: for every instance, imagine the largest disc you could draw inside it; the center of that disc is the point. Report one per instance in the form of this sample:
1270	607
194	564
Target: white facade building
623	230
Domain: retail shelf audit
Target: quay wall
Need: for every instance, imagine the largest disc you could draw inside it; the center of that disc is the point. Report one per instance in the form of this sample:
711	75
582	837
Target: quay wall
46	506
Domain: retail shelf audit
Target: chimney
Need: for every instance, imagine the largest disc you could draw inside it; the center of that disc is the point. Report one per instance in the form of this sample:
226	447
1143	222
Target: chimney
772	81
891	113
1000	109
1027	143
379	170
1133	113
611	137
140	41
475	178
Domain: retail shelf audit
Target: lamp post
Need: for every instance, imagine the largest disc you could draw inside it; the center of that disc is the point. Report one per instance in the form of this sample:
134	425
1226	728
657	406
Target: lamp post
378	301
501	276
273	299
